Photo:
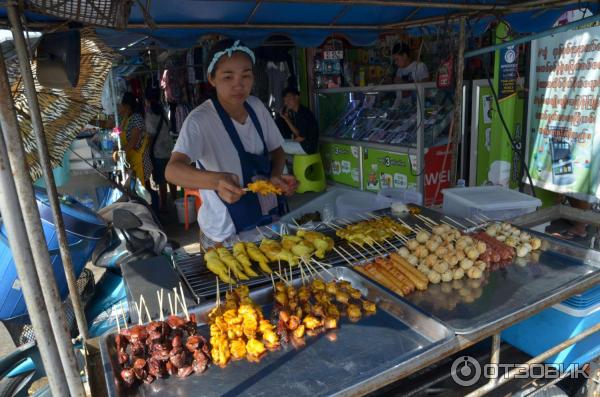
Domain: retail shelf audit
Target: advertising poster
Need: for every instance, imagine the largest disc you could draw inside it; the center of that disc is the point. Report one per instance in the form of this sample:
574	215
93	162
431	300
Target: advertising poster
484	135
498	164
509	68
342	163
563	103
382	169
437	173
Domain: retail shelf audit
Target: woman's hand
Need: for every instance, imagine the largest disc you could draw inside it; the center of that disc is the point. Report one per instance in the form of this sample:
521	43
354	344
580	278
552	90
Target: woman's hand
287	183
228	188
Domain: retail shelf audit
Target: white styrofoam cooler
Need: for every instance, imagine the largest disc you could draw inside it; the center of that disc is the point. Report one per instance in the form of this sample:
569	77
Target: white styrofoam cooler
494	202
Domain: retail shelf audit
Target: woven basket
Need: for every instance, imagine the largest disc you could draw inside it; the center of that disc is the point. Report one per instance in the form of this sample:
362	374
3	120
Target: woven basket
109	13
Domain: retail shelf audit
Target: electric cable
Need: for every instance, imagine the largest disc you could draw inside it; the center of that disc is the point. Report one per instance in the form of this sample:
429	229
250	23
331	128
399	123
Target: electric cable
506	130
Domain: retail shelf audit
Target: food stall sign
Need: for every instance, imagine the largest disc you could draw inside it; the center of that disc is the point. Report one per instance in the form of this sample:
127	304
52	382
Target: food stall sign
342	163
564	154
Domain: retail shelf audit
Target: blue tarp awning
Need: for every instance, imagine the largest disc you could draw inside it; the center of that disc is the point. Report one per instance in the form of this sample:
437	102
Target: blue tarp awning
180	23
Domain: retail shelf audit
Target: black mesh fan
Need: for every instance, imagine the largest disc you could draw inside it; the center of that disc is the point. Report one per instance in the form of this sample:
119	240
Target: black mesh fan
108	13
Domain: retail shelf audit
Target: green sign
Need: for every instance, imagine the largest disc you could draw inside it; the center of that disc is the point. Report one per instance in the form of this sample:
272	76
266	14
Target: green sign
342	163
484	135
383	169
503	167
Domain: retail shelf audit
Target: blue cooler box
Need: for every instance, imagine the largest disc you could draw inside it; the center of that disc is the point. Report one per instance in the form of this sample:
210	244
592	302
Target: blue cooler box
84	229
554	325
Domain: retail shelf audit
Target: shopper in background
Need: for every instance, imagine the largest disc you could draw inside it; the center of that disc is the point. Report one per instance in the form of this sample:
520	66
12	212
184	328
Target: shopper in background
298	125
134	138
409	70
157	126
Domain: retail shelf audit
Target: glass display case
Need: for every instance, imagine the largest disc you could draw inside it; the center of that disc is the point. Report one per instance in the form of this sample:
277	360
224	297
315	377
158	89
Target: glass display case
396	129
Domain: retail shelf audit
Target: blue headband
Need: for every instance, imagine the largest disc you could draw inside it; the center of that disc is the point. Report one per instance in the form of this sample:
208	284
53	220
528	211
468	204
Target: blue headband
229	52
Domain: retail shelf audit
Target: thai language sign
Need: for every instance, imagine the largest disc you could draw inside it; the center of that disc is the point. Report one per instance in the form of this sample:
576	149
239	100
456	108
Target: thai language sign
563	105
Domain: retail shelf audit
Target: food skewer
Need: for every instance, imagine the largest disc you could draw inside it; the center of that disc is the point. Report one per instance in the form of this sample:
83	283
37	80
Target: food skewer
297	224
138	309
332	225
272	281
184	303
342	255
357	251
317	274
301	274
123	314
406	225
261	233
426	221
176	299
323	267
390	243
310	270
159	297
430	220
455	221
170	303
374	248
274	231
218	293
143	302
348	253
472	221
282	279
116	314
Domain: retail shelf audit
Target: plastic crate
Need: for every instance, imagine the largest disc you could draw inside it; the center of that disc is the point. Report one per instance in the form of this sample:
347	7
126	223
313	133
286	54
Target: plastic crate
493	202
84	229
553	326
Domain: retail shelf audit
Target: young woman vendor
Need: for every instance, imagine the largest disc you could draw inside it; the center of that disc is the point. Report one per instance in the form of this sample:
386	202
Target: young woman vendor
230	140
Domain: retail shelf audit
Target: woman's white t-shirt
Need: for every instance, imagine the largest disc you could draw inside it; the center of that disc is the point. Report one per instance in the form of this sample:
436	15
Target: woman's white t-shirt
203	137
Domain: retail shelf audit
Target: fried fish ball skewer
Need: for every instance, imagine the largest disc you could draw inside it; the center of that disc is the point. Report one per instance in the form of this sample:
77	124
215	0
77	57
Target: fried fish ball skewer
257	256
239	252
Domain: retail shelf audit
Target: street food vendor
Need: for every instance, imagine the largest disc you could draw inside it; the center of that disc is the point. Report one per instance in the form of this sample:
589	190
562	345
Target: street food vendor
409	70
227	142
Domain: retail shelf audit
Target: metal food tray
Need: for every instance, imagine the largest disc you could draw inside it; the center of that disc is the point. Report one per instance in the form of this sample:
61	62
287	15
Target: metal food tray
396	336
467	306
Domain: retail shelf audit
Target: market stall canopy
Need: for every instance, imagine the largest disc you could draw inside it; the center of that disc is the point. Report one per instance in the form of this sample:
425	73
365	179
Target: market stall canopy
309	22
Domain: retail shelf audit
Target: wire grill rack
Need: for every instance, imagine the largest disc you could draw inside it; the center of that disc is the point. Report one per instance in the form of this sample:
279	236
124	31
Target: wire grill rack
202	282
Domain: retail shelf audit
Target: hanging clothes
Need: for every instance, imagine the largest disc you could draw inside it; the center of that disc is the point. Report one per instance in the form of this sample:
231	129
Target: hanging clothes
278	74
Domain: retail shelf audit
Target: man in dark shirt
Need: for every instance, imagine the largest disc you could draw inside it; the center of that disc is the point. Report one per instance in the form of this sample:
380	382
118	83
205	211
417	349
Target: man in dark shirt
298	125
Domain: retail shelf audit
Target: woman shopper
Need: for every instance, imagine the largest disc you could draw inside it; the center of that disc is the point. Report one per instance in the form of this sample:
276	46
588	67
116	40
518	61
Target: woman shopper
232	140
157	126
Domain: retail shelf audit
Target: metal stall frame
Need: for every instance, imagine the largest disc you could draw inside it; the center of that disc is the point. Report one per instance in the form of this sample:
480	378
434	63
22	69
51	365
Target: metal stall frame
44	159
33	259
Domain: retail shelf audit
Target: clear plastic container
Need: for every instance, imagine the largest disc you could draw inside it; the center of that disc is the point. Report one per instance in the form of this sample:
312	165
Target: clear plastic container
350	205
493	202
389	195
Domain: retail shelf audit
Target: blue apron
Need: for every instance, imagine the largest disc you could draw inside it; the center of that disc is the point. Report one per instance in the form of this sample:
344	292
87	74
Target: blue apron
246	213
